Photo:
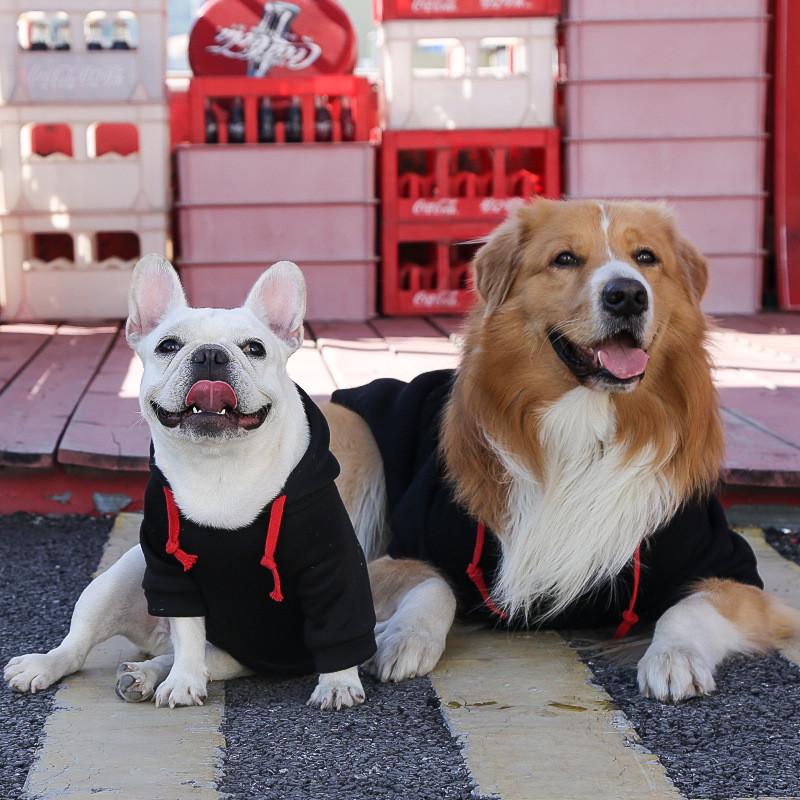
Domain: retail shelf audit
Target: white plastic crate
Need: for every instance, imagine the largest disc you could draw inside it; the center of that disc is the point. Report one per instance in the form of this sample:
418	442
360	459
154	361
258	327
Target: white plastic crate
647	9
82	287
84	181
662	109
81	74
617	49
468	73
219	174
664	167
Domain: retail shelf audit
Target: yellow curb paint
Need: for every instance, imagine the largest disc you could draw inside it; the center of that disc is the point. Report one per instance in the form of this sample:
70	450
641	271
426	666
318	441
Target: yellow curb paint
95	745
781	578
534	727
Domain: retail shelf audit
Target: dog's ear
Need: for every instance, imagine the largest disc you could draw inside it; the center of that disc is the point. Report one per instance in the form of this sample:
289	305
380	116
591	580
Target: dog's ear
694	266
497	263
155	290
278	299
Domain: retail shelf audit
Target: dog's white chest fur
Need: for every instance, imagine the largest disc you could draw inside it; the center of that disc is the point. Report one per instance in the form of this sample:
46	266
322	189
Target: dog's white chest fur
582	523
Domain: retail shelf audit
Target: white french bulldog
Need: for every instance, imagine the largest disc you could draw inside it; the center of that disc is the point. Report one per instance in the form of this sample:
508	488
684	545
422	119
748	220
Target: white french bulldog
226	445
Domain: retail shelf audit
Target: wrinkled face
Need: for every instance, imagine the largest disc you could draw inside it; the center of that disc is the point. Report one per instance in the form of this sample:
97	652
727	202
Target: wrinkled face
596	280
213	374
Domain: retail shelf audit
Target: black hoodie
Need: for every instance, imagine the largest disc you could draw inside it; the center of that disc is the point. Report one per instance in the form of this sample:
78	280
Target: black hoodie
295	601
427	522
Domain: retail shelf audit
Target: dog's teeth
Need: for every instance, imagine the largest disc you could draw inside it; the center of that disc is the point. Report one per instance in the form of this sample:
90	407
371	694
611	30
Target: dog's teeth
222	412
195	410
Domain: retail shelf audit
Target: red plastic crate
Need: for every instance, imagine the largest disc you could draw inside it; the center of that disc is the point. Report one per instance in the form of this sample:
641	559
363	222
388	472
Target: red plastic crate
429	176
426	268
220	91
440	9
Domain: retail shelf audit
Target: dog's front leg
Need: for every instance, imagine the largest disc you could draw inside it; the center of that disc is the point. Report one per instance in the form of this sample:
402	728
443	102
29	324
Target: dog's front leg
186	683
694	636
337	690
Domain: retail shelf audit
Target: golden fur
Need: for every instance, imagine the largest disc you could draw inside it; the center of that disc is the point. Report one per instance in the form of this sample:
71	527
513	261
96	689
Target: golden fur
510	373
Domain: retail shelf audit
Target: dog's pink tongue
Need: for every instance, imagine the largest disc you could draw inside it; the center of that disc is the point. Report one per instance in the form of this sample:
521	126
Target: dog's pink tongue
211	396
622	361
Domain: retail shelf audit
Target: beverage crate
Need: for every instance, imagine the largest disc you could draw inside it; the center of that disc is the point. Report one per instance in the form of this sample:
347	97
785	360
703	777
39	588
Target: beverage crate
665	167
348	103
448	9
337	290
683	9
468	73
68	51
665	108
49	272
76	158
426	269
217	174
255	233
466	175
657	49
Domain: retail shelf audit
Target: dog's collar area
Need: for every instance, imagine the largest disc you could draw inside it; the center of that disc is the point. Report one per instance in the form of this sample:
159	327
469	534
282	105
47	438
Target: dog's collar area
619	360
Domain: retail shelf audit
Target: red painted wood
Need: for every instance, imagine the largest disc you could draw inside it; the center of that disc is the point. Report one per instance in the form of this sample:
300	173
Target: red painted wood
758	495
755	458
777	410
308	369
107	431
60	490
413	335
18	344
787	158
451	325
35	408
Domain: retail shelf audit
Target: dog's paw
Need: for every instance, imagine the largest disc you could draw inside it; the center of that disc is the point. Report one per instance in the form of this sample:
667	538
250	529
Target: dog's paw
181	688
337	690
33	672
136	681
405	652
672	674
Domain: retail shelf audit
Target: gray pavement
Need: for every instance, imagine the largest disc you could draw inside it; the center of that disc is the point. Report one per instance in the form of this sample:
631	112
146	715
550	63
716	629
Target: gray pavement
44	564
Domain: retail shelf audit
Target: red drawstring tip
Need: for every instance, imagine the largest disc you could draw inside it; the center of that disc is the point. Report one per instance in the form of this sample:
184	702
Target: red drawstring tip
188	560
276	594
629	619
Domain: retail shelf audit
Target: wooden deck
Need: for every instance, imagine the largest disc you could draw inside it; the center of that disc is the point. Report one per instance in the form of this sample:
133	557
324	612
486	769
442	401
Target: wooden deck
68	394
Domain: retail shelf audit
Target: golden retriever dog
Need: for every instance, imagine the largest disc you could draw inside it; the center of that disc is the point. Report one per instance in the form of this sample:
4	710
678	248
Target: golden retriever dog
563	476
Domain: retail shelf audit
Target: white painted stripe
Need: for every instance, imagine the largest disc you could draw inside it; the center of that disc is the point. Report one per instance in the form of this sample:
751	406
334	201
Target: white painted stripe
533	725
95	745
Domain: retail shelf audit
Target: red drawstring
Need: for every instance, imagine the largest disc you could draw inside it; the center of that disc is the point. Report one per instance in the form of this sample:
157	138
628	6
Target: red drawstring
629	615
475	573
173	548
268	560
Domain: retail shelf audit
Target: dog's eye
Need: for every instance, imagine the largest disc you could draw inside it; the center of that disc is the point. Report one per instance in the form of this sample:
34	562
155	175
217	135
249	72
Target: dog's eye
168	346
645	256
254	349
566	259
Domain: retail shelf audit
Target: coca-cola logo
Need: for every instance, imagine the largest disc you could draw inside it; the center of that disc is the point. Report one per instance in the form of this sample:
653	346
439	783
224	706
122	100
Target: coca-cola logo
269	44
505	5
434	6
445	207
444	298
278	39
493	206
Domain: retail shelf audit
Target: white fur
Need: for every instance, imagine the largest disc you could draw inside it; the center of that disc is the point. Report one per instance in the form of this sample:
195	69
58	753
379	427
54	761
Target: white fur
337	690
582	524
411	641
604	223
690	640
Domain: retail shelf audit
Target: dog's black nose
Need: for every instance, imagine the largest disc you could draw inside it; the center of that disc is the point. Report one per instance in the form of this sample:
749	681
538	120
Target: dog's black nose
625	297
210	361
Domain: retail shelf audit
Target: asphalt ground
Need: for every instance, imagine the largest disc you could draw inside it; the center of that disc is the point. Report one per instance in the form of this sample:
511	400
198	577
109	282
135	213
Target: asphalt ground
396	745
45	562
786	541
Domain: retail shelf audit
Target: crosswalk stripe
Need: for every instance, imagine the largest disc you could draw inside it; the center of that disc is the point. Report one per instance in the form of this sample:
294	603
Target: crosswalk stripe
535	727
96	745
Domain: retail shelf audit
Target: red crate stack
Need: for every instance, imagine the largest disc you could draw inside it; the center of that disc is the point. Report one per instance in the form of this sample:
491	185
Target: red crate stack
446	184
442	193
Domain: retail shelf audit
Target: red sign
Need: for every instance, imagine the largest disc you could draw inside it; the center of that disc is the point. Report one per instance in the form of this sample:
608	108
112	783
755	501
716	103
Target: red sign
438	9
276	39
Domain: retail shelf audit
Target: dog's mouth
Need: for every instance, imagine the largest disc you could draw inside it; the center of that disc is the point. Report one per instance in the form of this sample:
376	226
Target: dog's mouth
618	360
211	407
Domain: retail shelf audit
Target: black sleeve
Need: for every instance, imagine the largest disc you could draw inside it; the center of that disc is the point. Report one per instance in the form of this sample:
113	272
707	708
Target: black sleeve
332	583
696	544
170	591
